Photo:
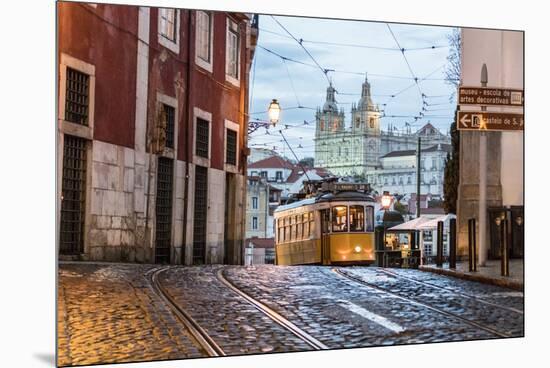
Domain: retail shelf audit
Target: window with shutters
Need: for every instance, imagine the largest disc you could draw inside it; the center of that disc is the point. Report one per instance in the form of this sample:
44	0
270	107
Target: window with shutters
204	39
232	52
168	28
168	21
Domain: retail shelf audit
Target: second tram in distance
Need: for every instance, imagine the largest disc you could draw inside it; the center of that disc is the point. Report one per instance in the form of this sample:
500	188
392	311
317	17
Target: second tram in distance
334	227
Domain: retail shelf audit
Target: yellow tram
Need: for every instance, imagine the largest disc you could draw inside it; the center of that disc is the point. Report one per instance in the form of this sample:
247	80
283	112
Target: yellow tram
333	228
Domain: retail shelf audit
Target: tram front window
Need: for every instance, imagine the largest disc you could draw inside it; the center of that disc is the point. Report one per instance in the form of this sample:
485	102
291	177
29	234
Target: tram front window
356	218
339	218
370	219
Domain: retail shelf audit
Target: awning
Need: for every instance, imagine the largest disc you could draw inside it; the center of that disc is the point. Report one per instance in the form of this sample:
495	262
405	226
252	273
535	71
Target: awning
432	224
410	225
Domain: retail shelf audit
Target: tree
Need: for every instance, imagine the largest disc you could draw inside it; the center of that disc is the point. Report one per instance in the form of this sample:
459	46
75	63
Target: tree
399	207
451	178
452	69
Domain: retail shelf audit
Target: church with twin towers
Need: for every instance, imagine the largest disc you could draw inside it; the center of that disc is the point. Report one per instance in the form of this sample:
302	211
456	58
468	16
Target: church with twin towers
359	148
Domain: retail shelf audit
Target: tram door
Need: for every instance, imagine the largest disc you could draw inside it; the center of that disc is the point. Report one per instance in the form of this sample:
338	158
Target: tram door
325	236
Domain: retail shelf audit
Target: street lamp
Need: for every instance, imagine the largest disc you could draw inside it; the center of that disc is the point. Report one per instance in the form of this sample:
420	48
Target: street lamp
386	200
274	111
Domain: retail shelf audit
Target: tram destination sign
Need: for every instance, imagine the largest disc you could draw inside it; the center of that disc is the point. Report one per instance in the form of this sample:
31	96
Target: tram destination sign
468	120
490	96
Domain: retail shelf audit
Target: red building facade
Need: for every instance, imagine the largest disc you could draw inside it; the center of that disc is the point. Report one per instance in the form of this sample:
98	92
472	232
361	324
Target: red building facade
152	133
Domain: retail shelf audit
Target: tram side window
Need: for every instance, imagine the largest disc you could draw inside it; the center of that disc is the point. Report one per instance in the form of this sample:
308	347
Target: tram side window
339	218
281	229
356	218
311	224
287	229
370	218
299	227
293	228
305	226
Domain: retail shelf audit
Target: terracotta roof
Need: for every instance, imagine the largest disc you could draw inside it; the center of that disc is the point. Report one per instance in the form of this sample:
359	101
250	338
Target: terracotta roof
273	162
260	242
297	173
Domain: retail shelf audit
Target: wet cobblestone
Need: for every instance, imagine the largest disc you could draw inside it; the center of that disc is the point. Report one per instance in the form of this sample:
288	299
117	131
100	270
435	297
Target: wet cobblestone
108	313
236	325
453	298
318	301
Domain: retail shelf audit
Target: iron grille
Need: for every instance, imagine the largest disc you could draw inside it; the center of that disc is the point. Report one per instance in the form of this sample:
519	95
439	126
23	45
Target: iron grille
164	210
170	116
203	127
73	196
199	215
231	151
76	97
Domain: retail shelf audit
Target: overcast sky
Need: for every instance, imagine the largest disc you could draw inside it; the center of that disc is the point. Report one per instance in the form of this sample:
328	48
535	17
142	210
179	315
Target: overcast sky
295	84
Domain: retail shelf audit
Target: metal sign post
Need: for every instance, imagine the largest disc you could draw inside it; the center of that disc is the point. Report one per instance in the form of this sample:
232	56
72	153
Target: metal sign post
483	181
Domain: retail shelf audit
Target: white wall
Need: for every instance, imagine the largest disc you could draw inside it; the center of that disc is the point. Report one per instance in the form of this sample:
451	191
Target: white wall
504	61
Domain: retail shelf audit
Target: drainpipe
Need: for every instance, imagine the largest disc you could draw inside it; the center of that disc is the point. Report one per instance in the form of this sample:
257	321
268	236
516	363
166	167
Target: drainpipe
188	134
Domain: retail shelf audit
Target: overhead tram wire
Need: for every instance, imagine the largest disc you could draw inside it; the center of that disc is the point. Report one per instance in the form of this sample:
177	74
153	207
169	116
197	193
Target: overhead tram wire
286	58
325	71
432	47
406	60
291	83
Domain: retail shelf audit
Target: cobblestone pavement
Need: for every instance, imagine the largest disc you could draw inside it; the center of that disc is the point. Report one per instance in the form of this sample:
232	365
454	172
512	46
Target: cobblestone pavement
109	312
236	325
452	299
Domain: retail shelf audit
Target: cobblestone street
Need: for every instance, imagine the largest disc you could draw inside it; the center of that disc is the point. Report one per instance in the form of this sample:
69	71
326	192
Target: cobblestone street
112	313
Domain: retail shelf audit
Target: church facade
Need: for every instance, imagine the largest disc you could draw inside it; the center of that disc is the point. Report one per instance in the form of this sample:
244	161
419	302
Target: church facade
357	149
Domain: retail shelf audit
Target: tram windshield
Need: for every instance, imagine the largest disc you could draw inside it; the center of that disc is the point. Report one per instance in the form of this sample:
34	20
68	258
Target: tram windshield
356	218
339	218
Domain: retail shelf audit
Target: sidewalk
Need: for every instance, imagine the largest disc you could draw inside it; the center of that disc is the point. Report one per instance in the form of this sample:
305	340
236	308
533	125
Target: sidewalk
489	274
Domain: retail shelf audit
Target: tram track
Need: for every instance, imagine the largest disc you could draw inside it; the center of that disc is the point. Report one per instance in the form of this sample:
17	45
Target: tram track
206	342
478	300
430	307
273	315
201	336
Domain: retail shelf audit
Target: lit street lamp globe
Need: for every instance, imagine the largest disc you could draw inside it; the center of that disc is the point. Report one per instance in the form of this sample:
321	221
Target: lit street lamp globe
274	111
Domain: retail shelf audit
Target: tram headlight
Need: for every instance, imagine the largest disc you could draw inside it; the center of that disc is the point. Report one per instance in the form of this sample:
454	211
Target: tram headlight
357	249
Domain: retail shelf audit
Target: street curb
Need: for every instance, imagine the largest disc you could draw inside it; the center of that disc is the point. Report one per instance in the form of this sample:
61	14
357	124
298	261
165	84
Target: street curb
510	284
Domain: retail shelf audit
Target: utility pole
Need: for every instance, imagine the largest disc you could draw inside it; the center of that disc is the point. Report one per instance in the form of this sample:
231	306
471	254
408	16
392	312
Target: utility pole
483	181
418	149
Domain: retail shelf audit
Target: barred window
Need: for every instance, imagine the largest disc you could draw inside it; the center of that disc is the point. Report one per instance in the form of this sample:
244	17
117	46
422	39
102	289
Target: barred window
77	97
204	29
168	23
202	138
231	148
169	113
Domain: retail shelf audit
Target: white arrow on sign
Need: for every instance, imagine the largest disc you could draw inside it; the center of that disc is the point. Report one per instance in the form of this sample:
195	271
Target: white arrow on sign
464	120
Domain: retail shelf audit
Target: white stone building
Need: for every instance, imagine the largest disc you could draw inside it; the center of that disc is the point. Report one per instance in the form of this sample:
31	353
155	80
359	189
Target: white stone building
357	149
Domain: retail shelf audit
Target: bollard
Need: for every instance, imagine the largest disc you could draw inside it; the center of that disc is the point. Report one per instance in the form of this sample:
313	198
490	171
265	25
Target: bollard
452	243
472	245
504	264
439	258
